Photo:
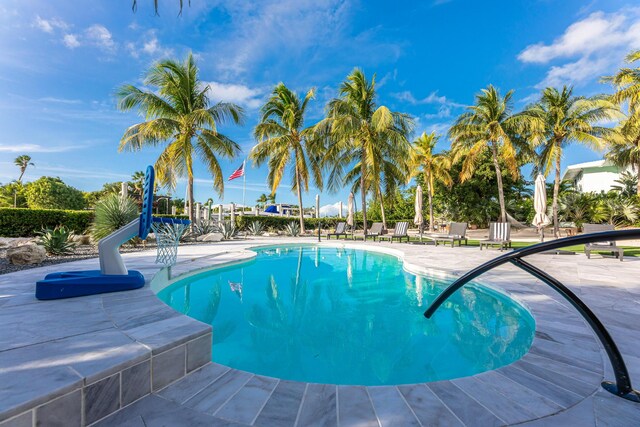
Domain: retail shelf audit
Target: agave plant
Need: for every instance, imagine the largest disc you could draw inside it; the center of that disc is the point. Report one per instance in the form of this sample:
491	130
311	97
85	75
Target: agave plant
292	229
228	229
112	213
256	228
58	241
203	227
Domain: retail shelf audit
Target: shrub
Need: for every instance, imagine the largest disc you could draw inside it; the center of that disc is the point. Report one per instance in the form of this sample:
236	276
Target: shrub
202	228
292	229
29	222
51	193
57	241
111	213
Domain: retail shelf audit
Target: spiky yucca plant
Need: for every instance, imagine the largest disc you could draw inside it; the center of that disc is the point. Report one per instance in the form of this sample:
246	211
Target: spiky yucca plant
112	212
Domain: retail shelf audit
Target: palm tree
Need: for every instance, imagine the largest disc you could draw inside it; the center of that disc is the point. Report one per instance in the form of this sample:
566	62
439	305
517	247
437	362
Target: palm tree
625	146
181	118
568	119
433	167
23	162
490	125
365	138
137	182
262	200
283	141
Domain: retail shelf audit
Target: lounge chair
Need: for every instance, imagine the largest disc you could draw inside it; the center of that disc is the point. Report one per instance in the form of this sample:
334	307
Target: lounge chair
457	233
400	232
374	232
499	235
340	230
609	246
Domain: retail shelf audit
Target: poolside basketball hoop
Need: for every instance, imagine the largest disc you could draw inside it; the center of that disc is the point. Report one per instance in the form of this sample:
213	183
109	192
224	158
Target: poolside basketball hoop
168	233
113	274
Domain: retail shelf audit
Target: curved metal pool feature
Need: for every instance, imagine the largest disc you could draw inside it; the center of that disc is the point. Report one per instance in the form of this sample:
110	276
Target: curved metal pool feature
622	386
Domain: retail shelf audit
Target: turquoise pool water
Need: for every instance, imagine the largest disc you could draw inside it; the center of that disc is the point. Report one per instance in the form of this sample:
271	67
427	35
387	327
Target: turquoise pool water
347	316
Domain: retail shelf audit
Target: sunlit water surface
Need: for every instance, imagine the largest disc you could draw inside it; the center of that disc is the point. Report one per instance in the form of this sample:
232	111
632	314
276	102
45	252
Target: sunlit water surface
348	316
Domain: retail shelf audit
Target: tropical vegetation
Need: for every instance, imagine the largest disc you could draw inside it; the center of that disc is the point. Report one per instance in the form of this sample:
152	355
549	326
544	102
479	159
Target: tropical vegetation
568	118
283	142
490	125
181	118
362	144
365	145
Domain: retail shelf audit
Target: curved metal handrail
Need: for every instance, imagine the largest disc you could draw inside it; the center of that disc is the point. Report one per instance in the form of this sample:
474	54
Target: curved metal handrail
622	386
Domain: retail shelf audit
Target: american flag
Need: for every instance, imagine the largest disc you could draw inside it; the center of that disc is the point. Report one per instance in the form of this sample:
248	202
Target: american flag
238	173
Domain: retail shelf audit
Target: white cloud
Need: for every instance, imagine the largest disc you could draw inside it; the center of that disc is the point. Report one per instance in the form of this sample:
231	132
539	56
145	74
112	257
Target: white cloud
596	32
60	100
148	45
258	29
100	36
333	210
50	25
432	98
236	93
35	148
575	72
593	45
71	41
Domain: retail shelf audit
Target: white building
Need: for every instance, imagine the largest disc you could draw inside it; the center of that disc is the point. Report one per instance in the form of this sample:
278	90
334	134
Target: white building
595	177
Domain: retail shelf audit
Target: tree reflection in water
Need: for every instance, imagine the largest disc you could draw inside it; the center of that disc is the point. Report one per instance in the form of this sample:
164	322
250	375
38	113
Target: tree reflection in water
349	317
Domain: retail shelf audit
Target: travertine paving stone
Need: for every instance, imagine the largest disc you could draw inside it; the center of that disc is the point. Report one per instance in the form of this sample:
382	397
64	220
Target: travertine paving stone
123	331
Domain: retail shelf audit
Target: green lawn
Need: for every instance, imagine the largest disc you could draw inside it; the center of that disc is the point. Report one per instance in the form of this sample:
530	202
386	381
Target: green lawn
628	250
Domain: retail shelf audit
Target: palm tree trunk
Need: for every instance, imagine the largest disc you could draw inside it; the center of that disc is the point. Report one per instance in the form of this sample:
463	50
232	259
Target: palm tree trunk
431	229
384	217
556	190
363	194
300	200
496	164
190	191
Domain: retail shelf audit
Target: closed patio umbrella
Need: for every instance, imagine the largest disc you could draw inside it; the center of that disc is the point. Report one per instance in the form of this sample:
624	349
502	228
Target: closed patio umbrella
419	219
540	205
350	220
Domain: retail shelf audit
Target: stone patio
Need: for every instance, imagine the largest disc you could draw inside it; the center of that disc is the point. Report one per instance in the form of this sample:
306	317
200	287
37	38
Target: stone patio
127	359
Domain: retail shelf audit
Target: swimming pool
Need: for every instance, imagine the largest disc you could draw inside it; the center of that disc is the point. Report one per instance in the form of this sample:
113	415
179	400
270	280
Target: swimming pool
348	316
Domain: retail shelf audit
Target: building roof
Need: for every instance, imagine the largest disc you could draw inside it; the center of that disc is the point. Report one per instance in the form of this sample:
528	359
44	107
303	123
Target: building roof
573	170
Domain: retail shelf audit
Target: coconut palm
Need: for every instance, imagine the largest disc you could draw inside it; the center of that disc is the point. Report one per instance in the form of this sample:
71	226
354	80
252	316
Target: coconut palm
433	167
23	162
363	140
625	146
180	118
490	125
568	119
283	141
137	182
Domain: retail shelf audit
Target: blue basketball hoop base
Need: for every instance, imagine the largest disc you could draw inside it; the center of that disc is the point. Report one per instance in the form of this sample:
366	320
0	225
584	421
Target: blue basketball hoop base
80	283
113	275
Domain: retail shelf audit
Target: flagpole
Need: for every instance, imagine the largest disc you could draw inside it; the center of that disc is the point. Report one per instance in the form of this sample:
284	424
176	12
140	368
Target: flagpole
244	183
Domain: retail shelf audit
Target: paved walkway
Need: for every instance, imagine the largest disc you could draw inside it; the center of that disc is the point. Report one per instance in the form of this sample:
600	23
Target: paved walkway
556	383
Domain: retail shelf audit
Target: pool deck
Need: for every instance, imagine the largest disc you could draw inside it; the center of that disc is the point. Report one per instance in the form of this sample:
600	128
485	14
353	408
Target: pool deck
128	359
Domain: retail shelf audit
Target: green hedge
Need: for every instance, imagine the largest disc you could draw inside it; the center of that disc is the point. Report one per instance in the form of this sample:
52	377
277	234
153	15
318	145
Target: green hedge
279	222
17	222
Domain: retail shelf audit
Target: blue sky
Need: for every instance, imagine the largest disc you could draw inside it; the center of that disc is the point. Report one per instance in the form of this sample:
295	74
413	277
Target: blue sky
62	61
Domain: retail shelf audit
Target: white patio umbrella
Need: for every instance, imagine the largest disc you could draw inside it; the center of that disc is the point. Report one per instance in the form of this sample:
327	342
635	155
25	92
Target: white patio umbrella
540	205
419	219
350	221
